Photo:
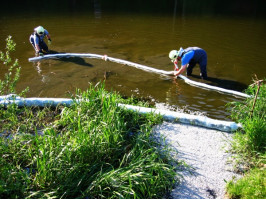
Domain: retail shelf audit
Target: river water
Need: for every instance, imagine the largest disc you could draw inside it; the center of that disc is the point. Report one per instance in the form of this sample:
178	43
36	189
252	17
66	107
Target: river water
233	36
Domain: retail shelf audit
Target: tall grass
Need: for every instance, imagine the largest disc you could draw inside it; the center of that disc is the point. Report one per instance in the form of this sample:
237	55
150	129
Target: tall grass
251	186
93	149
249	145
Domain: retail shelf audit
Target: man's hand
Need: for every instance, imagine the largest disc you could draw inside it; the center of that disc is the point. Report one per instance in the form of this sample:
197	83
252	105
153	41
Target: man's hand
105	57
49	41
181	70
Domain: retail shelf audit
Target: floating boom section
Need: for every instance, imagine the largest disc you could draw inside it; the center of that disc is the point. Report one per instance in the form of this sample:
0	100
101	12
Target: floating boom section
88	55
34	101
184	118
142	67
210	87
167	115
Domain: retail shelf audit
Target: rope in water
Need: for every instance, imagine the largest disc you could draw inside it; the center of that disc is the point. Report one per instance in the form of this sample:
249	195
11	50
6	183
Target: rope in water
139	66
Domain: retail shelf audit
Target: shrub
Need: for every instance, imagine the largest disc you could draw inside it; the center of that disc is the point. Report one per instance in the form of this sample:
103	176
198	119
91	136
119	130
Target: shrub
8	85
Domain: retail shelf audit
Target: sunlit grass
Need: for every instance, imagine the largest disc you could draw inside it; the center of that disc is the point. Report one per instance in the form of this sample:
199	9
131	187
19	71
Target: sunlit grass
93	149
252	186
249	145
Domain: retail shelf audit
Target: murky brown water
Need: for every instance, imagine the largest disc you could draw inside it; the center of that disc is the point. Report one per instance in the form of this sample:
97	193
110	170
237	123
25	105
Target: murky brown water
235	46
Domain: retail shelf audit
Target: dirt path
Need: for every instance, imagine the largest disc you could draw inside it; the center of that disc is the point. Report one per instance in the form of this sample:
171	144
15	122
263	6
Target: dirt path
205	151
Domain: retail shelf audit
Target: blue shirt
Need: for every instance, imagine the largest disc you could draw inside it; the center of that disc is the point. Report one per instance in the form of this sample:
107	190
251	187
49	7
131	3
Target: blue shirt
187	57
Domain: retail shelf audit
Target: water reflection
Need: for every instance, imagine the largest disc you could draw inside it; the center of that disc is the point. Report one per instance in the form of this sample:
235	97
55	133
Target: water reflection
37	66
97	9
44	77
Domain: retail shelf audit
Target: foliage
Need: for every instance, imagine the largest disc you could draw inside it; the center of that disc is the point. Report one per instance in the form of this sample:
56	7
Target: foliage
249	144
251	141
252	186
19	119
93	149
8	85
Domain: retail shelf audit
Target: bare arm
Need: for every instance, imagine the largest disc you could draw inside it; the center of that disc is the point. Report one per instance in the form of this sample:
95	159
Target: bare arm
175	65
181	70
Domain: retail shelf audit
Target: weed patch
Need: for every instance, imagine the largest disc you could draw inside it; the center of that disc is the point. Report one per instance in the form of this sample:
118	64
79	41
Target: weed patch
93	149
249	144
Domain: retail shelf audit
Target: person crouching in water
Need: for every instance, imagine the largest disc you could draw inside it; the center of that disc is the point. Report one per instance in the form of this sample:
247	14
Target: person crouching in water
189	57
36	39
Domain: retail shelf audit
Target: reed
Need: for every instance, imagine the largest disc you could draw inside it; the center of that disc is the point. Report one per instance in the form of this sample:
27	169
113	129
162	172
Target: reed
93	149
249	144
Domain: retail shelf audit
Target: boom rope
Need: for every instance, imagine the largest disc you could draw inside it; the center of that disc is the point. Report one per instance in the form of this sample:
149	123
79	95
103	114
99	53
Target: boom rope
139	66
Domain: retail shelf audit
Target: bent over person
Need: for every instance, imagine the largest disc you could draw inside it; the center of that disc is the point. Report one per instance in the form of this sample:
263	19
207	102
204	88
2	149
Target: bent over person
189	57
36	39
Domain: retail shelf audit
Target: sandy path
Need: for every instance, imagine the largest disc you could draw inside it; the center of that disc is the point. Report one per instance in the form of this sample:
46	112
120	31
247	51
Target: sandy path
205	151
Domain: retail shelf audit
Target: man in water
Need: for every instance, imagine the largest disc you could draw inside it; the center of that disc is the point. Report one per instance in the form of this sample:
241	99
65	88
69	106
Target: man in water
189	57
36	39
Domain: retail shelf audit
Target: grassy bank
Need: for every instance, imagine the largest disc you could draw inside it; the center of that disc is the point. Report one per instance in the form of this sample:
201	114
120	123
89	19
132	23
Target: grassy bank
93	149
249	145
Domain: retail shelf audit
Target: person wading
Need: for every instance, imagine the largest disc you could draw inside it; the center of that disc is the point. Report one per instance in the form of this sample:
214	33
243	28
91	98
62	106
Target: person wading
37	40
189	57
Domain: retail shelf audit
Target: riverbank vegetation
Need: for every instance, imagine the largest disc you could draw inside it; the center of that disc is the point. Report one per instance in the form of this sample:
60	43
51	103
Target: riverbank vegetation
92	149
249	144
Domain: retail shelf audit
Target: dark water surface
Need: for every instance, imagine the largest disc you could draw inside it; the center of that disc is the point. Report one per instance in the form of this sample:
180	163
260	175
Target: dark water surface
233	36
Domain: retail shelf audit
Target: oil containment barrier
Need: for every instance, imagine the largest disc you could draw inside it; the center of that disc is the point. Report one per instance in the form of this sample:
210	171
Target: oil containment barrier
172	116
184	118
139	66
33	101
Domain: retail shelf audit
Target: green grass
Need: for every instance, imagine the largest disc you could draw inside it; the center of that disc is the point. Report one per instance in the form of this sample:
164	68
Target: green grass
252	186
93	149
250	142
249	145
